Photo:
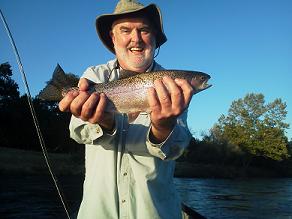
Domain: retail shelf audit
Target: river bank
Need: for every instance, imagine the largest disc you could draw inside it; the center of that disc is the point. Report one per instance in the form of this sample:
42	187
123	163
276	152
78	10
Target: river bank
15	161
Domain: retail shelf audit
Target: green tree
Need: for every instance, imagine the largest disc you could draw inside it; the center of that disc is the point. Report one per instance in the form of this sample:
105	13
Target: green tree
256	127
8	87
8	95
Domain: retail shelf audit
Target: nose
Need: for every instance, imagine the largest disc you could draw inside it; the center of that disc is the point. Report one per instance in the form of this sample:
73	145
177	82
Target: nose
136	36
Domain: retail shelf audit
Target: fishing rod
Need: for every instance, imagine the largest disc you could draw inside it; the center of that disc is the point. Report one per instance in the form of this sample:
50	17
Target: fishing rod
33	113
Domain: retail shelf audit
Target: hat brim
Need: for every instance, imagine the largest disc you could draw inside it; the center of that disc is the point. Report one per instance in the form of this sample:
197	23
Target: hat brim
104	24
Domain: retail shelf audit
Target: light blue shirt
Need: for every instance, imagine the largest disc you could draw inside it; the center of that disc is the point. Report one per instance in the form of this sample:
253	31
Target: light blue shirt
127	176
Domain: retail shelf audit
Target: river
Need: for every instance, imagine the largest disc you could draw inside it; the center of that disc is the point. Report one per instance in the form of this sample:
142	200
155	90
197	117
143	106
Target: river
34	197
240	199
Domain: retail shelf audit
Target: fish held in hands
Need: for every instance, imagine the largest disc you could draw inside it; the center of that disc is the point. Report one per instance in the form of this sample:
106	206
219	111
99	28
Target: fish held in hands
126	95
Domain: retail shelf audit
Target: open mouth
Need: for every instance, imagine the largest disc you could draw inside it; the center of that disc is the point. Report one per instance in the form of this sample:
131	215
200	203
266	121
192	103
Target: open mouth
136	50
206	85
200	83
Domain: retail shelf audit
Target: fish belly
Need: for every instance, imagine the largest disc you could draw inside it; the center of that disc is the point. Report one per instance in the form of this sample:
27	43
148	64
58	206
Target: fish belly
128	100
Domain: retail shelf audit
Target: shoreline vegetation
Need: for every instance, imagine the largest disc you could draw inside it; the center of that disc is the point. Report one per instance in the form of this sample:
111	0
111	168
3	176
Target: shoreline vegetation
23	162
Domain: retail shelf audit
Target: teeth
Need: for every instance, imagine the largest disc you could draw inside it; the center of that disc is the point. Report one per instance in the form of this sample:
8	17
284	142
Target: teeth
136	49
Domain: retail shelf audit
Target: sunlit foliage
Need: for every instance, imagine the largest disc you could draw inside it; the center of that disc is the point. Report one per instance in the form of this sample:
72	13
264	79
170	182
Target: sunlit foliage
258	128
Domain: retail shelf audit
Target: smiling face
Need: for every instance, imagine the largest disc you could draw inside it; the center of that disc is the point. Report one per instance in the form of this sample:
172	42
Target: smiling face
134	43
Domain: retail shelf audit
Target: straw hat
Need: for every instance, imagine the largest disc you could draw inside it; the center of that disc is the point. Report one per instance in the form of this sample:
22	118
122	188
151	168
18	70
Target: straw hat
131	8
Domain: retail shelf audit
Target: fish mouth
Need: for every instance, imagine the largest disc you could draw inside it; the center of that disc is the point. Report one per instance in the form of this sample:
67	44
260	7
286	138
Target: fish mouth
206	85
201	83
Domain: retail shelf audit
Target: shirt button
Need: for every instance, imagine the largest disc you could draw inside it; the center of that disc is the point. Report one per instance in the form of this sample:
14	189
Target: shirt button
123	201
125	174
97	130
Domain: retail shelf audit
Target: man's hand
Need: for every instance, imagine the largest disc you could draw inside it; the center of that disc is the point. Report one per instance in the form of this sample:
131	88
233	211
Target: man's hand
167	101
88	107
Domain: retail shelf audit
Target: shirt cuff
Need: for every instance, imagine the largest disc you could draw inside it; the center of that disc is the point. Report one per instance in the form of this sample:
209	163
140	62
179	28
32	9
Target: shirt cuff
87	133
95	132
173	146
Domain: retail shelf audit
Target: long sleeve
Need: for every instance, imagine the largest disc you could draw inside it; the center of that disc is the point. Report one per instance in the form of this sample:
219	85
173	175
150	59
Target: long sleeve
125	174
175	143
87	133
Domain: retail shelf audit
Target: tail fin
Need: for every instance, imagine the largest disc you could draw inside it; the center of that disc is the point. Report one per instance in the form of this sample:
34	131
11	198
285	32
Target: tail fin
59	83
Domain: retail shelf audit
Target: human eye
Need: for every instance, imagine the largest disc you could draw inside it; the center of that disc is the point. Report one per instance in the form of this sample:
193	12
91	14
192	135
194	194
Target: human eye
145	30
125	30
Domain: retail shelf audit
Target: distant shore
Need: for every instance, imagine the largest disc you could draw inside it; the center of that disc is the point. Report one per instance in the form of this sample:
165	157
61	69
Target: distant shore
15	161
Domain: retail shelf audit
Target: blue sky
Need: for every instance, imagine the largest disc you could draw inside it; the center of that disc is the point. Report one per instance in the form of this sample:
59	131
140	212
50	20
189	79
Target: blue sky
246	46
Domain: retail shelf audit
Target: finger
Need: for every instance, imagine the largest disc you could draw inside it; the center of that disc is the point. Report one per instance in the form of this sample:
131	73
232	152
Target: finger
153	100
99	110
89	106
64	104
77	103
187	90
175	94
163	95
83	84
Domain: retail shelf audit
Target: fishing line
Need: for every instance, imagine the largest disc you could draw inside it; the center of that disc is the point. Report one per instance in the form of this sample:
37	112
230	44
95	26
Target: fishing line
33	113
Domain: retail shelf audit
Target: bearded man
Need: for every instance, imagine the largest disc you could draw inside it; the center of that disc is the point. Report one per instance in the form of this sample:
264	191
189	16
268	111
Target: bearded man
130	158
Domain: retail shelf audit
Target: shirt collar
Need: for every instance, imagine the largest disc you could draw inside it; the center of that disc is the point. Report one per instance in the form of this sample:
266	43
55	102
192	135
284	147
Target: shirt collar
151	67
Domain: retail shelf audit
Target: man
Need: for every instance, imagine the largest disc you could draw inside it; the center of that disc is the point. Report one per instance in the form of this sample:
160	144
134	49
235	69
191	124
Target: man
129	159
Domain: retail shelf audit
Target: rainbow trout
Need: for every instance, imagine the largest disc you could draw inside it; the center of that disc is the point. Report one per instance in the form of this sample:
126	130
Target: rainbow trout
126	95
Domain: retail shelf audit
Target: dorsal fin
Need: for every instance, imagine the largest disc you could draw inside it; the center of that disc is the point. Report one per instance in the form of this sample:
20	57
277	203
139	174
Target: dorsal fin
60	81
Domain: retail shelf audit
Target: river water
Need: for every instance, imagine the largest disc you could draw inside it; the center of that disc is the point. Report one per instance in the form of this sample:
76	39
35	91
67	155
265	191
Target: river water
34	197
240	199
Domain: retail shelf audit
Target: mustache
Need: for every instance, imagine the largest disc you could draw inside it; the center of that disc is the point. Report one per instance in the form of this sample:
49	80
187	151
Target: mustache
136	45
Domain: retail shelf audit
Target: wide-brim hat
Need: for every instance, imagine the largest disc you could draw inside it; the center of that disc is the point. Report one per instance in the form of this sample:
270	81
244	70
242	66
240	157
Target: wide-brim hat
126	8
